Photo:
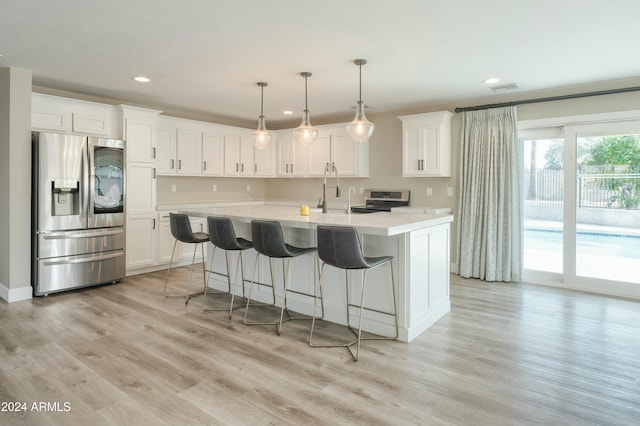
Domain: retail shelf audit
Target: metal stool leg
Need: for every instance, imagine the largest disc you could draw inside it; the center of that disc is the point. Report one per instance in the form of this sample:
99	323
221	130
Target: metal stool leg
206	286
357	332
164	291
253	281
204	278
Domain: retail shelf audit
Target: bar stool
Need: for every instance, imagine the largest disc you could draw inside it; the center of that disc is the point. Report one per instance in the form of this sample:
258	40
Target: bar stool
339	246
181	231
268	241
223	236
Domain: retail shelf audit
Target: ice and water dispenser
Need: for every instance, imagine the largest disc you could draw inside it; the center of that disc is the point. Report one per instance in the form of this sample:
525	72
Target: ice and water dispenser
65	197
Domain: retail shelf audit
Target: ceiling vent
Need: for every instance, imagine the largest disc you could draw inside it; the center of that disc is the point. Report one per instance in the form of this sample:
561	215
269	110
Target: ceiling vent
505	87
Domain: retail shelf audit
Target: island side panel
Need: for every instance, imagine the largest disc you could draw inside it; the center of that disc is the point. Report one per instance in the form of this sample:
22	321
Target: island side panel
428	278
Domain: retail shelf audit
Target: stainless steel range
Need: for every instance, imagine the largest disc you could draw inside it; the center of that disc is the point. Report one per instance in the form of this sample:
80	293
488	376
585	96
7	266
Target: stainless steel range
382	200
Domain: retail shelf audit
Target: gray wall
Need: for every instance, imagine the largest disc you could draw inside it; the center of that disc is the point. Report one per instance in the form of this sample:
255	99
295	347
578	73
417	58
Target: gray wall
385	163
15	183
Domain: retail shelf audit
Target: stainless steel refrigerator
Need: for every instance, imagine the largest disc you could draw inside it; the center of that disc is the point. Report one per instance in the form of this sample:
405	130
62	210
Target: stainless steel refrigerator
78	211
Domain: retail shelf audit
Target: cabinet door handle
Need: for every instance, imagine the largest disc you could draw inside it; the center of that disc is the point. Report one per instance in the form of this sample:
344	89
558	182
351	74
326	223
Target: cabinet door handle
242	167
154	223
179	164
204	165
154	173
255	167
173	164
291	167
286	168
153	152
237	167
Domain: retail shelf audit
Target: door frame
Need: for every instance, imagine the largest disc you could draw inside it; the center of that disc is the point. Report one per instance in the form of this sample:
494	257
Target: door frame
572	127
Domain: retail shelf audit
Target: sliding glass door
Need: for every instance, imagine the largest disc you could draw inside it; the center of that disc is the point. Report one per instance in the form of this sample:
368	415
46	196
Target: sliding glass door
543	192
582	206
607	202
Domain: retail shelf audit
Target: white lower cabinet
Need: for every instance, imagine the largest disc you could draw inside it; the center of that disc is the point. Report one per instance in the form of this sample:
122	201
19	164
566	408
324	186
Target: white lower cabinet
142	235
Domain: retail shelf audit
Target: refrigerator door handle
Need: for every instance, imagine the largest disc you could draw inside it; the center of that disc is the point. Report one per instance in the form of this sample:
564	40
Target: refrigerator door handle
86	186
66	236
83	260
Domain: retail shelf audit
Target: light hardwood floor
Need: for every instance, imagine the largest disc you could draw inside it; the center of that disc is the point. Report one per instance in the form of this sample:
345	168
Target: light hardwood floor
506	354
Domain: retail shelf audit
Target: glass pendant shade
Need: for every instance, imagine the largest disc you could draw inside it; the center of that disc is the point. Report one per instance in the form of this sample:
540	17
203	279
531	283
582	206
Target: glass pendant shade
360	129
261	137
305	134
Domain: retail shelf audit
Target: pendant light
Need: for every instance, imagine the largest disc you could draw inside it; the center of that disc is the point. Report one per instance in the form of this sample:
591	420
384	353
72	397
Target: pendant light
360	128
305	134
261	137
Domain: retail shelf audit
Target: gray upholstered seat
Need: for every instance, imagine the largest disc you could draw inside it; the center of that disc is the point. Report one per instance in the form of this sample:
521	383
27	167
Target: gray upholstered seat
223	236
268	241
340	247
182	232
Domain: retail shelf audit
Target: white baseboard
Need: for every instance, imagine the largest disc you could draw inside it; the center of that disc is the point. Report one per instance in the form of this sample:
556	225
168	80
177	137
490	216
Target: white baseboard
15	294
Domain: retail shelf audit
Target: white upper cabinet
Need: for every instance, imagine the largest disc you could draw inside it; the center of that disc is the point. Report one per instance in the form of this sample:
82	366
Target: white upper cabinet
73	116
426	144
238	154
291	158
319	154
179	149
334	145
213	152
139	131
265	159
189	151
166	150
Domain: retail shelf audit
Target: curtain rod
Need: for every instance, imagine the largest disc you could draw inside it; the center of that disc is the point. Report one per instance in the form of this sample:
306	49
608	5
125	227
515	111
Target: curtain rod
549	99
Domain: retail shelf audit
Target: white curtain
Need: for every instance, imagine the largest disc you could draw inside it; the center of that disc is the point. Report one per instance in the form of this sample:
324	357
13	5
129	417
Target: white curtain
489	220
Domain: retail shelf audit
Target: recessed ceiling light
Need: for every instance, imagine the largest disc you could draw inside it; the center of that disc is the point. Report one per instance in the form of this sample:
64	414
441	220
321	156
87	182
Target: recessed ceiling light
287	112
142	79
492	80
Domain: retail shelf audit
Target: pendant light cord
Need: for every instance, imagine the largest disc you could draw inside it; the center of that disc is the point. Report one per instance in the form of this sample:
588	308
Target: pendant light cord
261	100
360	80
306	107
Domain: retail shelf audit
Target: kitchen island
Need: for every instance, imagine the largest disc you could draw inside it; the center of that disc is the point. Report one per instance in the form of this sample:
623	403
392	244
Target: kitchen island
419	244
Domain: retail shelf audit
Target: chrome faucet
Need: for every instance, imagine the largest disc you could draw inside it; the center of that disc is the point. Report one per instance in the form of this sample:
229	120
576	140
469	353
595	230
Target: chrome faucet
328	168
349	199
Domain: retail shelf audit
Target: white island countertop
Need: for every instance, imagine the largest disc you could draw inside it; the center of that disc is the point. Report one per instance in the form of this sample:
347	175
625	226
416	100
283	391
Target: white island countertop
381	223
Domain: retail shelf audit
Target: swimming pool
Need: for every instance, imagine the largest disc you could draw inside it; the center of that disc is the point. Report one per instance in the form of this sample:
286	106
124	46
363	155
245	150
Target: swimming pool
612	256
586	242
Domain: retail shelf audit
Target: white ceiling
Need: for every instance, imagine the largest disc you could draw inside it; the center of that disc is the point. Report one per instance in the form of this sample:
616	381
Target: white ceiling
205	56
